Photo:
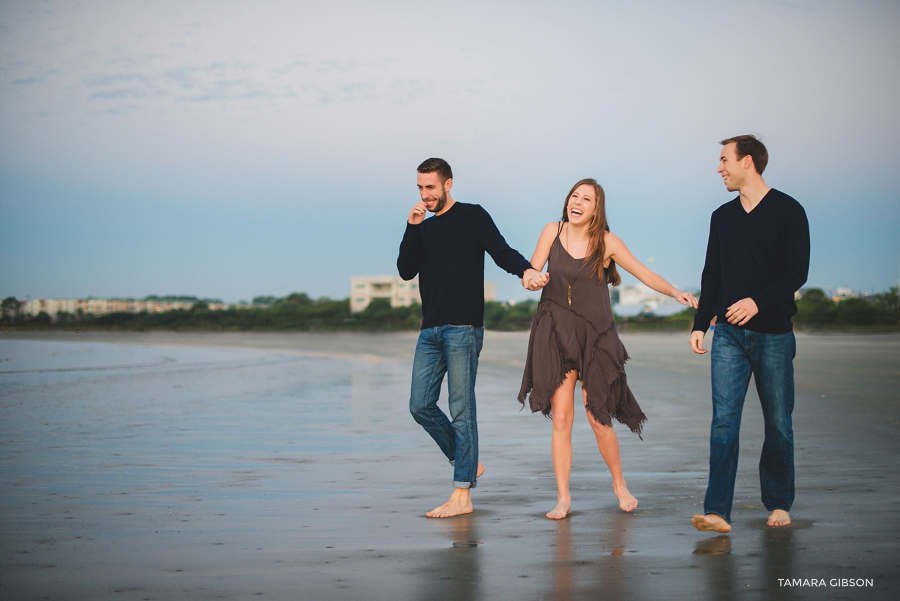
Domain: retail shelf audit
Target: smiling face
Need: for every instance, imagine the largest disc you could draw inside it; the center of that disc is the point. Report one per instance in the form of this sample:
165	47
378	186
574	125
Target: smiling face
732	169
581	205
433	191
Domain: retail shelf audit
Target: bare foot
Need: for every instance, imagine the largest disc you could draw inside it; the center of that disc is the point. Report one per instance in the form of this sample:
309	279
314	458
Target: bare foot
458	504
561	511
710	523
479	471
778	517
627	502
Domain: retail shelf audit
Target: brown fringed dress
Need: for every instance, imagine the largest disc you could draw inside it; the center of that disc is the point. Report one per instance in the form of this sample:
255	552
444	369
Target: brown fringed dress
573	329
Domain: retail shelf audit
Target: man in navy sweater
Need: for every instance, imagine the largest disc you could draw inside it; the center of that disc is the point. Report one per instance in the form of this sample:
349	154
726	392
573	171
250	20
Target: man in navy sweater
447	252
756	259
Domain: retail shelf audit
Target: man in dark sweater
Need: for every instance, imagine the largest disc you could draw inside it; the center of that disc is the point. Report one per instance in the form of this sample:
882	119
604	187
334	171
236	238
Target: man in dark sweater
756	259
447	252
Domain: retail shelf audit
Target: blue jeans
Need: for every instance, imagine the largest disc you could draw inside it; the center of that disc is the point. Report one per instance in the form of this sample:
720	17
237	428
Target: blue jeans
451	350
736	353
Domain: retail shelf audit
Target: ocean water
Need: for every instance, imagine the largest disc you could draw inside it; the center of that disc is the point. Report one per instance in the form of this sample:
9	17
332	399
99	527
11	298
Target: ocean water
110	421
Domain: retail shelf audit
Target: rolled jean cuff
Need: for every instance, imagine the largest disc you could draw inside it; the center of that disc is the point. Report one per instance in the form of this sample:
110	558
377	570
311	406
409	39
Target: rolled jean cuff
464	484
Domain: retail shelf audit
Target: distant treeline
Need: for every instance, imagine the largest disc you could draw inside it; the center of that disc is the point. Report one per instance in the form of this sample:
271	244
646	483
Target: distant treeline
816	310
296	312
299	312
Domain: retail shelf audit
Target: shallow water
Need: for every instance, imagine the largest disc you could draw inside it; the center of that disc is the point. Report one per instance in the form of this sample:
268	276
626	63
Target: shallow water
120	411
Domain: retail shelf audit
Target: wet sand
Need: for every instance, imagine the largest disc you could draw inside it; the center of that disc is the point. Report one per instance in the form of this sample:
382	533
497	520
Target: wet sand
286	466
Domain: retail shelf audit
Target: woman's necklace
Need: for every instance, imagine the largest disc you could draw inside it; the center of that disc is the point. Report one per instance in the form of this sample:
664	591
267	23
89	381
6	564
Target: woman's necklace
571	276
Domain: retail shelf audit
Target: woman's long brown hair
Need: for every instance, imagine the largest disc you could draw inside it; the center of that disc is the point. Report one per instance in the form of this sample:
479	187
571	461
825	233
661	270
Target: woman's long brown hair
596	229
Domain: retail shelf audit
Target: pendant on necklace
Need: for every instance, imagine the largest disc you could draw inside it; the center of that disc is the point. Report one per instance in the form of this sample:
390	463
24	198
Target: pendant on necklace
569	294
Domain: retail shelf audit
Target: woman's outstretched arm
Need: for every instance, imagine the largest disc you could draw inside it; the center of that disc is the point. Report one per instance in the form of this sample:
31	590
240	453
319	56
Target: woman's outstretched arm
618	252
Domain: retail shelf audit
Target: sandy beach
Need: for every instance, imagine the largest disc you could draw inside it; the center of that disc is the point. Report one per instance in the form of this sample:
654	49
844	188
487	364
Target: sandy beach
286	466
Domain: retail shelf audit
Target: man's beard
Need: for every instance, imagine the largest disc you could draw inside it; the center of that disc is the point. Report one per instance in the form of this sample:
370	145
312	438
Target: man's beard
441	201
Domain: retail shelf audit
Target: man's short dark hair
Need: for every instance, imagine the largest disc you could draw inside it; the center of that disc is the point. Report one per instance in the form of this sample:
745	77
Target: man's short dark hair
439	166
750	145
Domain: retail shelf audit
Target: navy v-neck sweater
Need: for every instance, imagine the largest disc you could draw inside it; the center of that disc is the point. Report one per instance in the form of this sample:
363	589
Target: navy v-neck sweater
763	255
447	253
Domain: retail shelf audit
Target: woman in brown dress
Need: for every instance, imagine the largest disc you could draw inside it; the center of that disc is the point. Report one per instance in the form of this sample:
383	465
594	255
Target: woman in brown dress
574	338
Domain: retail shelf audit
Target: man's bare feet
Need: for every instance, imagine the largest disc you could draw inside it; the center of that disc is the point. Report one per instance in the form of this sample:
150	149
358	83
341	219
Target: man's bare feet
710	523
458	504
778	517
627	502
561	511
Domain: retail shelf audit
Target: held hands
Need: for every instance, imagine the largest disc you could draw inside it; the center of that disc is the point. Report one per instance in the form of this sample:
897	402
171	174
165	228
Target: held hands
416	214
533	279
740	312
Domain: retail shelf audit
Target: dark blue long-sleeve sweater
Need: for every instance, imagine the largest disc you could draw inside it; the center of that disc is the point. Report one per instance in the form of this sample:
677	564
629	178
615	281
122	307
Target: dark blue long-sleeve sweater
447	253
763	255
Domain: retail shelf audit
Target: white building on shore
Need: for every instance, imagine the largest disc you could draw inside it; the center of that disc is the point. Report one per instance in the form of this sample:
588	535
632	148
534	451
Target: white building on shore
637	299
365	289
50	306
105	306
401	293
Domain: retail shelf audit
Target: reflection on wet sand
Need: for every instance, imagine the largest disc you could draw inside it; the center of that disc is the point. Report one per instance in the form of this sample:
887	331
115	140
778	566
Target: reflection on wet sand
563	570
778	551
718	567
454	573
717	545
615	569
606	573
722	567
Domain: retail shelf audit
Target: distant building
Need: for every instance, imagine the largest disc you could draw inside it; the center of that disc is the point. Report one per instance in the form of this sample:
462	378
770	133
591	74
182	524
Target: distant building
638	299
401	293
365	289
843	294
50	306
490	291
104	306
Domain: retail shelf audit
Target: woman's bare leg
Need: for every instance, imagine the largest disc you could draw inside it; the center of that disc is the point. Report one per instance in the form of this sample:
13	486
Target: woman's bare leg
562	411
608	443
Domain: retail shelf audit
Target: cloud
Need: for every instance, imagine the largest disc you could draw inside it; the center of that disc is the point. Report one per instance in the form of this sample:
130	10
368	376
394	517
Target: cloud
120	94
28	75
109	80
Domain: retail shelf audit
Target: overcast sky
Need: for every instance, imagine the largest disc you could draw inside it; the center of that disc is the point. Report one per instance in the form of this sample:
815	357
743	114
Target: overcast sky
231	149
